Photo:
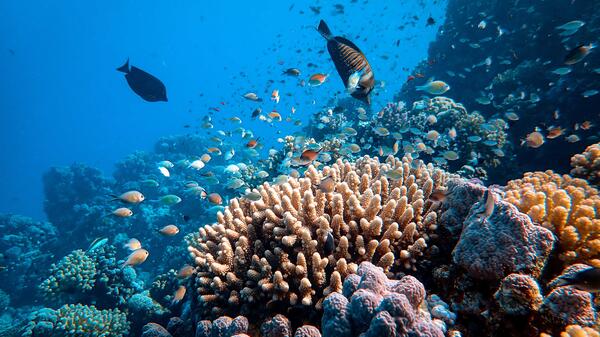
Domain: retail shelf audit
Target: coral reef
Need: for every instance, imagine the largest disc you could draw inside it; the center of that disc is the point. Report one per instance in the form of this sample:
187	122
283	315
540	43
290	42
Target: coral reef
296	244
586	165
519	294
73	275
567	206
77	321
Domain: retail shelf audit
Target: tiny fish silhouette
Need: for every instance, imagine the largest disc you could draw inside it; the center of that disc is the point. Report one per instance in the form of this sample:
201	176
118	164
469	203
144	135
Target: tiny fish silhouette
147	86
348	59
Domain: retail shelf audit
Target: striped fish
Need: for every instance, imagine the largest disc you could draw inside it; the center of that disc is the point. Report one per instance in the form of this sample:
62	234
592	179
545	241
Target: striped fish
349	60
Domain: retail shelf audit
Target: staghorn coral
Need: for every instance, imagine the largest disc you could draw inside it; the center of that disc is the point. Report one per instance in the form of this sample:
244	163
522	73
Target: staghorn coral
487	245
71	277
276	250
77	320
373	305
587	164
567	206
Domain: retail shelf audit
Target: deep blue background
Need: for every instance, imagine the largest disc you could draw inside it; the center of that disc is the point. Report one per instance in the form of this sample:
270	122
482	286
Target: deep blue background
62	101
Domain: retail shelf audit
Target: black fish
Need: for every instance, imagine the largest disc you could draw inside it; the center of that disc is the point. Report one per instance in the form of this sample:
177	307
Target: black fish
148	87
578	53
586	280
348	59
329	246
430	21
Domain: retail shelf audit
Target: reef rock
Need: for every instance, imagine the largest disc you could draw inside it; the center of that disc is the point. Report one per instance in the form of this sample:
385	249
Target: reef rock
503	243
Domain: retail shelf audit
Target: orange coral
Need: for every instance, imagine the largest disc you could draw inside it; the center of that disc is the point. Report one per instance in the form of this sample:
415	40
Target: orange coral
587	164
568	206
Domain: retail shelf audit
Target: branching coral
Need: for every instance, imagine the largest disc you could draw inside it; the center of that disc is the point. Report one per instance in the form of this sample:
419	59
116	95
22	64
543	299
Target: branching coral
296	244
567	206
77	321
587	164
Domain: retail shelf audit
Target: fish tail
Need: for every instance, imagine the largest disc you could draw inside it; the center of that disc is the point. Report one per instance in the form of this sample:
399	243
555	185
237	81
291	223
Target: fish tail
124	68
114	197
324	30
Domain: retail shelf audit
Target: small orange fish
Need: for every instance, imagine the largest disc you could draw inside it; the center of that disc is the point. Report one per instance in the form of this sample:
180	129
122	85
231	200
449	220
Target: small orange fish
275	96
214	150
137	257
215	198
133	244
185	271
554	132
534	140
309	155
252	143
169	230
122	212
317	79
131	197
275	114
586	125
179	294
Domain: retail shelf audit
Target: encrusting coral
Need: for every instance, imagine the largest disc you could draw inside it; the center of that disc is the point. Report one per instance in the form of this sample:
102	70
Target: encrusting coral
77	320
73	275
568	206
586	165
297	244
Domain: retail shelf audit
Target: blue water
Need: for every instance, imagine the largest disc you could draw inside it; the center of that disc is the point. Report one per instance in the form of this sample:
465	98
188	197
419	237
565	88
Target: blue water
62	100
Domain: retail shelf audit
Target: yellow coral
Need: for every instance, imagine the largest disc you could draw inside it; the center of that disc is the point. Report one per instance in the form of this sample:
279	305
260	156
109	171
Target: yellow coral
568	206
578	331
297	244
587	164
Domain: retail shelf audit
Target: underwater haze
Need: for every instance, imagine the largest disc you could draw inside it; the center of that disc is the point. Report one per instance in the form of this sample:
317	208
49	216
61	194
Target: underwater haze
301	168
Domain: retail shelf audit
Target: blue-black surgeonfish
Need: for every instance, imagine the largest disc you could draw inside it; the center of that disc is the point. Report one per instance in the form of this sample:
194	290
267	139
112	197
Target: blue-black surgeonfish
147	86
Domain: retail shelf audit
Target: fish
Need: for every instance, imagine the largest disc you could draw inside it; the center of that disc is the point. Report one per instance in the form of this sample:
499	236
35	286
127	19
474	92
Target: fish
381	131
561	71
122	212
229	154
349	59
487	209
353	81
587	280
309	155
179	294
197	164
215	198
511	116
555	132
394	174
589	93
534	140
185	272
252	196
571	25
317	79
169	230
147	86
131	197
133	244
586	125
434	87
578	53
452	133
136	257
205	158
96	244
256	112
572	138
450	155
252	97
275	115
164	171
329	244
252	143
327	184
292	72
169	199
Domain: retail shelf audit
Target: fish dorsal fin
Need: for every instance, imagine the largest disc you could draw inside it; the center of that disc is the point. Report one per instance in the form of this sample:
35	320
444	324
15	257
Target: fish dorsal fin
124	68
347	42
324	30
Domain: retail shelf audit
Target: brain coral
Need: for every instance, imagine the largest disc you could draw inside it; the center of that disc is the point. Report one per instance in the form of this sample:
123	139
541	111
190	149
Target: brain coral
296	244
567	206
77	320
587	164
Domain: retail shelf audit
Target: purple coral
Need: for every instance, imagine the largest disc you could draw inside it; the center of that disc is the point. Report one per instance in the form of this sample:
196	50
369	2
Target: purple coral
378	307
503	243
